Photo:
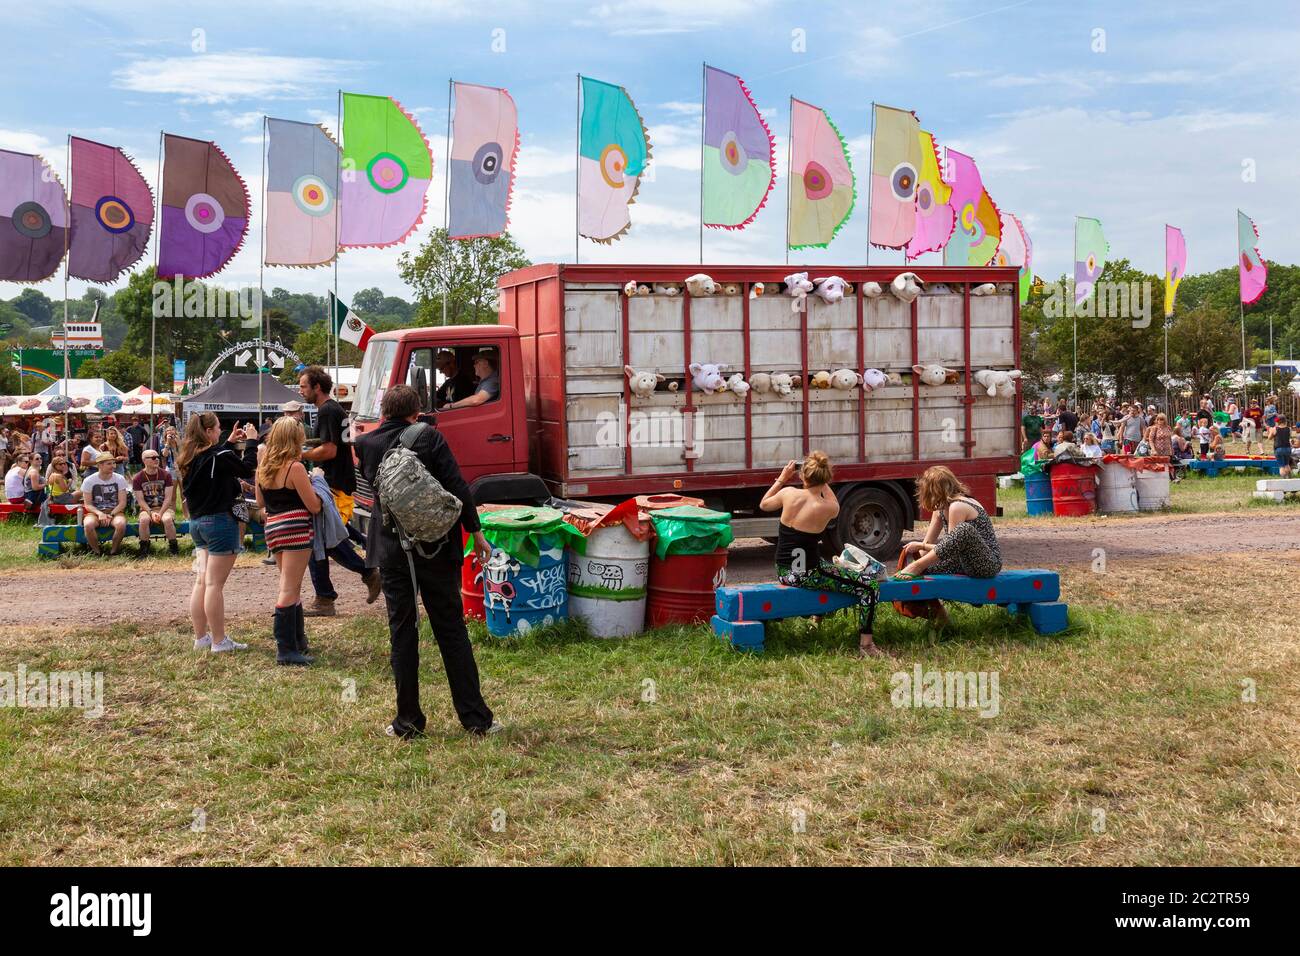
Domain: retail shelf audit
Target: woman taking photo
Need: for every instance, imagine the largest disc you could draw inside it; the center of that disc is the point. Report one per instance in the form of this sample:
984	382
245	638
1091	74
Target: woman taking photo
210	475
285	493
960	539
805	513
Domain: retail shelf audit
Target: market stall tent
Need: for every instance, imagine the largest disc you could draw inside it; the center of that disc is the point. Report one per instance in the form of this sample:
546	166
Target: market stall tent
136	402
82	393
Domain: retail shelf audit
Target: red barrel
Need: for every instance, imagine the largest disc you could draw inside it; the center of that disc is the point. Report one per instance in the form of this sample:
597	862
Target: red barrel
681	587
1074	490
471	591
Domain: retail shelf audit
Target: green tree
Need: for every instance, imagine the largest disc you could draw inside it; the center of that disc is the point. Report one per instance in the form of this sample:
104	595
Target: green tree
127	370
36	305
466	270
1203	344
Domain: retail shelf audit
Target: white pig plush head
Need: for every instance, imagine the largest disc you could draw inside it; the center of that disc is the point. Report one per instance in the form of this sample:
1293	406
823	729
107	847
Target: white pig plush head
988	288
935	374
1002	384
738	385
844	379
642	382
701	285
798	283
707	377
906	286
872	290
831	289
782	383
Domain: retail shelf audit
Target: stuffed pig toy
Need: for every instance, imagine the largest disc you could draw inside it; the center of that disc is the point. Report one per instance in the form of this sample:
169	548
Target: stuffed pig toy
667	288
782	383
844	379
906	286
872	290
831	289
935	375
701	285
738	385
874	378
798	285
998	383
708	378
642	383
988	288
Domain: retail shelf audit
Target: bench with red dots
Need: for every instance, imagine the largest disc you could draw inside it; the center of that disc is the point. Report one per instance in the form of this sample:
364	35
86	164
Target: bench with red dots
743	610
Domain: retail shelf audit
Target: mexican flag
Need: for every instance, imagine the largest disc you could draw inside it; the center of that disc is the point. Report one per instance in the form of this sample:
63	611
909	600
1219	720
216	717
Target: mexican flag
347	324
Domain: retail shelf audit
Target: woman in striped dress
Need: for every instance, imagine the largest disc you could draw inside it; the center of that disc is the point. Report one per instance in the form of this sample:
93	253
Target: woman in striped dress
285	493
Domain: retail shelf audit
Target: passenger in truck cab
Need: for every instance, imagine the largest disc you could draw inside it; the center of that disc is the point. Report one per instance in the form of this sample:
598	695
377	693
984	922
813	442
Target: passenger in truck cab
457	383
489	381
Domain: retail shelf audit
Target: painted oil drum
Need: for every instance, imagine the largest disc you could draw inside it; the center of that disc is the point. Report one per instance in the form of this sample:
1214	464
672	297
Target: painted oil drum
518	597
607	585
1117	491
682	587
1074	490
1038	494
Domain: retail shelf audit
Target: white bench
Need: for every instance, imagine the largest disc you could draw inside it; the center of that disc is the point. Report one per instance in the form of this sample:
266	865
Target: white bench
1276	489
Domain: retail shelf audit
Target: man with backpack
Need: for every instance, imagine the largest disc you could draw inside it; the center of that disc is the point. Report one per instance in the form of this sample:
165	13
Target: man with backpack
411	461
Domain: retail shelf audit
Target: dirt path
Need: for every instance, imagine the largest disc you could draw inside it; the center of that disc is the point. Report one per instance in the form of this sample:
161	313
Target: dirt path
121	591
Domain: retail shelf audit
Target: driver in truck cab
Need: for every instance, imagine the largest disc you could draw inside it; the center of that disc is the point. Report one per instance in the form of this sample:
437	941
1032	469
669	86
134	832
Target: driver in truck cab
489	381
457	383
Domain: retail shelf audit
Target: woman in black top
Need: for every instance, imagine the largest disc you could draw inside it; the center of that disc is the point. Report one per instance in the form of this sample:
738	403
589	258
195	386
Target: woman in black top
1281	435
210	476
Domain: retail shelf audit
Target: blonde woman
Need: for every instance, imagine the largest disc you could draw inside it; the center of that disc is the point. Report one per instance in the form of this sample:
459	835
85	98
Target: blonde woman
285	493
115	445
960	539
805	513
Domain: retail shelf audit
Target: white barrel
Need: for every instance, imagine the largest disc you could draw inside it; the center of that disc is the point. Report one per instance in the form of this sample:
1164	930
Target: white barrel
1118	489
1153	489
607	585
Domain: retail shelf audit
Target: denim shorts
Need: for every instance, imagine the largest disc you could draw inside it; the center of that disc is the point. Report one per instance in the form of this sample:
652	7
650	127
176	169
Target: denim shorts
1283	456
216	534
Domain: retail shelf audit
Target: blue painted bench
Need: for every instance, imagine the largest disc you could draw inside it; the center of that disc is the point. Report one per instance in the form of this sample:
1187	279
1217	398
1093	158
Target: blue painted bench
1212	467
743	610
54	537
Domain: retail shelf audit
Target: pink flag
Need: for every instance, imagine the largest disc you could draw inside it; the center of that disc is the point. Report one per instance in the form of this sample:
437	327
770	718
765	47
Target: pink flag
1175	265
1254	273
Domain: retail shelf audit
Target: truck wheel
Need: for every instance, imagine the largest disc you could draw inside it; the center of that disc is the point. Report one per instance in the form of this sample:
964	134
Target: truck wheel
872	519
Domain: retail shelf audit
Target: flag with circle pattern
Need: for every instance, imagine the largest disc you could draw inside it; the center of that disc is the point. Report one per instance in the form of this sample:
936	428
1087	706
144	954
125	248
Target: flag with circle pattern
302	175
387	169
205	209
112	212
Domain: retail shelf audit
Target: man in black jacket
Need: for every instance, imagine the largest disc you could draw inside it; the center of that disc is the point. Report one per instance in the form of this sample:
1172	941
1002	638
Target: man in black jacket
438	576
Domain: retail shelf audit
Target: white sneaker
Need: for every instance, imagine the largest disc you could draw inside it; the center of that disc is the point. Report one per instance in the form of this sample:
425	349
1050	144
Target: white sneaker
203	643
226	644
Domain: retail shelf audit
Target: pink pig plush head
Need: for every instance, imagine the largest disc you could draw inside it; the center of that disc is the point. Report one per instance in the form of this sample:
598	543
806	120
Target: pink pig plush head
707	377
933	374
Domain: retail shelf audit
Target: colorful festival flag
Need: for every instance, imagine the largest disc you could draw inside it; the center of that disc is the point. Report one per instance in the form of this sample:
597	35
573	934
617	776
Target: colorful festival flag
348	326
934	217
739	153
1251	267
895	167
1175	265
204	209
977	231
1090	251
1016	250
822	190
613	152
33	218
112	212
387	168
302	180
484	144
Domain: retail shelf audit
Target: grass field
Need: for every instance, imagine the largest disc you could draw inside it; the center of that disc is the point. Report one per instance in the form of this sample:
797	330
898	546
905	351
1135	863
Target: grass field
1160	728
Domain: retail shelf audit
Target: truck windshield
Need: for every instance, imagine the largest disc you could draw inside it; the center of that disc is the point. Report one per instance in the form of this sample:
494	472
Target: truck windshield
376	369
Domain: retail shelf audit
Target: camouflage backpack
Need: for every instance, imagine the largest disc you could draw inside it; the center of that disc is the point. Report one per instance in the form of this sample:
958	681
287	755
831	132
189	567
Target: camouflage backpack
414	502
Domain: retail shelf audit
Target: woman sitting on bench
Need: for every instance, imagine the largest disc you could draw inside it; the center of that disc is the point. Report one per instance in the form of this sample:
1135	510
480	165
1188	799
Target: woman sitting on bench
968	545
805	514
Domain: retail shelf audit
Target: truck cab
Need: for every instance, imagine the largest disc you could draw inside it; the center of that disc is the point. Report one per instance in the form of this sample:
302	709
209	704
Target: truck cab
435	362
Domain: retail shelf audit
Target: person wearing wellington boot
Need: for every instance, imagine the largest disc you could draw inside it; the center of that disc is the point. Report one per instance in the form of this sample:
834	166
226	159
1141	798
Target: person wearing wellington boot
285	493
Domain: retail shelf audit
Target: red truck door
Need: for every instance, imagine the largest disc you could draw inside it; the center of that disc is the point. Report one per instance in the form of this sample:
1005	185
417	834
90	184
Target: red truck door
481	437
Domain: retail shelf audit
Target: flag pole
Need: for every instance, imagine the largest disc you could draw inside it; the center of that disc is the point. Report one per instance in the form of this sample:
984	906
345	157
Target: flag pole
871	164
153	312
1075	319
446	203
1241	311
333	335
789	178
263	331
577	167
1169	312
67	266
704	109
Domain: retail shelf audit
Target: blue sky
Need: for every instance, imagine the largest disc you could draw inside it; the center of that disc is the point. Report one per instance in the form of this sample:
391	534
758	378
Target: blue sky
1145	123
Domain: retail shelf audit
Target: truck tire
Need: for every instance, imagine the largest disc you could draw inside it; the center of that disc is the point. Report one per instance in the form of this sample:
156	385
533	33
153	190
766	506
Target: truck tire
871	518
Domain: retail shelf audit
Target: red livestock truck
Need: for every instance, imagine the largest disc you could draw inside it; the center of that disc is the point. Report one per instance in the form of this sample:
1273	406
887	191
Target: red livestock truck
568	424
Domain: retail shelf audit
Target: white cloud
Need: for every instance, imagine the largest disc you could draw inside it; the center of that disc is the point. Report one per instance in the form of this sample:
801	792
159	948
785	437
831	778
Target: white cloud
227	77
